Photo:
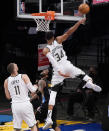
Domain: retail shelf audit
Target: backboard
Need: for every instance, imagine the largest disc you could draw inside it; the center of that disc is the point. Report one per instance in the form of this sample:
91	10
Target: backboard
66	10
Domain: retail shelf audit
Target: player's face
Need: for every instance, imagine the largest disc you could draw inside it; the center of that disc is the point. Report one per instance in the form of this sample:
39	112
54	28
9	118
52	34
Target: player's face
15	67
46	71
51	40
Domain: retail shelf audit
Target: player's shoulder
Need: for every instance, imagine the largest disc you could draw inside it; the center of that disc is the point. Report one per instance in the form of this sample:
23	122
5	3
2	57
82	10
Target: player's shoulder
42	80
24	75
46	50
6	80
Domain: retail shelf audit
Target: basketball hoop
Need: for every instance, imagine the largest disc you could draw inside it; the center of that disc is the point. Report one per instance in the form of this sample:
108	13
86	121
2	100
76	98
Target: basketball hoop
43	20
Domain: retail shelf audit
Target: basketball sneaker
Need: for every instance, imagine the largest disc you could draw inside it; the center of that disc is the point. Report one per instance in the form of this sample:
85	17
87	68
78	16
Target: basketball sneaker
48	123
51	129
92	86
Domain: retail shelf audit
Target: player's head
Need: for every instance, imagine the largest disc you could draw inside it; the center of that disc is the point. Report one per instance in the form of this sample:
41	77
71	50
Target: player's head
12	68
44	73
49	35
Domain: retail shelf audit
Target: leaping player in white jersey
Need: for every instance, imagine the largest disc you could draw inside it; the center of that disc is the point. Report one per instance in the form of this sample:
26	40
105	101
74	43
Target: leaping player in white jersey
16	88
62	67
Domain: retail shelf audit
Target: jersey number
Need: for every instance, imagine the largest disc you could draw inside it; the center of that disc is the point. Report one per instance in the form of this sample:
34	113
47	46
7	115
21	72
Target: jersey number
59	56
17	90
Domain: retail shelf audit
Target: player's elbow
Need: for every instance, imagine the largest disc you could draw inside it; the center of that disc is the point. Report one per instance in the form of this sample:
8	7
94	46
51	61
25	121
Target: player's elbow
66	36
8	97
44	52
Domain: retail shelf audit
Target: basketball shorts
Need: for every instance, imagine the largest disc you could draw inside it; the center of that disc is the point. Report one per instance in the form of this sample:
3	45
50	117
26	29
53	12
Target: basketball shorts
23	111
66	67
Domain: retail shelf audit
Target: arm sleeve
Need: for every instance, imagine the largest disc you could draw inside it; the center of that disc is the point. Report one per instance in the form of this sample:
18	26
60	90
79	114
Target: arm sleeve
52	61
31	87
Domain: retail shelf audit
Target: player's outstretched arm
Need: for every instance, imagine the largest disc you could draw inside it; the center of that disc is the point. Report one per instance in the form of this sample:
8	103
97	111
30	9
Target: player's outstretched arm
72	29
28	83
6	90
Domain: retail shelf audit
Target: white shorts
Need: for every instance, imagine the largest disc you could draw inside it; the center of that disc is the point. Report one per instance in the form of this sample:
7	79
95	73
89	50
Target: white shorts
66	67
23	111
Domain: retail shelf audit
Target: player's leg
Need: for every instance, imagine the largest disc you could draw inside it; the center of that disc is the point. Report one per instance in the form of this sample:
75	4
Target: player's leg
17	117
89	83
56	79
34	128
52	99
29	117
54	126
76	72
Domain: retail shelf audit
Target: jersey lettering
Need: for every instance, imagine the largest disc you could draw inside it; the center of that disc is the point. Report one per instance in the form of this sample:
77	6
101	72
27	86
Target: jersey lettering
17	90
59	56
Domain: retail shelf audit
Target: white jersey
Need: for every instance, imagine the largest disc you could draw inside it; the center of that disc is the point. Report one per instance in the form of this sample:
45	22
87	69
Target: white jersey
57	52
18	89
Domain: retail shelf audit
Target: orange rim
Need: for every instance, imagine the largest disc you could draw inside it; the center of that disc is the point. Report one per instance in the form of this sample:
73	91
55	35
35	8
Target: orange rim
49	15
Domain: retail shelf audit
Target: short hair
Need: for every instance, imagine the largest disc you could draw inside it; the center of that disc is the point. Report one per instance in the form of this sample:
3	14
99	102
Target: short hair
10	68
49	35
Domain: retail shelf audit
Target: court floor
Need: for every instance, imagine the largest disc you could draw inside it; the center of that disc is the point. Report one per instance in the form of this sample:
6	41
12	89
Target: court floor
64	123
6	124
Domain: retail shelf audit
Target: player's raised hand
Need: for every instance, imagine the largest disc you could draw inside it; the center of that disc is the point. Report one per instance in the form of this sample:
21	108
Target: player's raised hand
82	21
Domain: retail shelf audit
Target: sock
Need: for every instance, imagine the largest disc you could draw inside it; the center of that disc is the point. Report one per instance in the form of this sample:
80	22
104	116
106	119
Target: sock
87	78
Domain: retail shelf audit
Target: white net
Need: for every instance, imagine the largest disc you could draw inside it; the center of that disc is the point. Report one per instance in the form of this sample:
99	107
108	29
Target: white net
42	24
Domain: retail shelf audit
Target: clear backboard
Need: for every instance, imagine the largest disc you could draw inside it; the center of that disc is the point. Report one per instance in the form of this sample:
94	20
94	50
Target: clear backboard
66	10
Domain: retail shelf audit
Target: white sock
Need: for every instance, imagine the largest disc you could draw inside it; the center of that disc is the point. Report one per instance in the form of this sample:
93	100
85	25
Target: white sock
49	115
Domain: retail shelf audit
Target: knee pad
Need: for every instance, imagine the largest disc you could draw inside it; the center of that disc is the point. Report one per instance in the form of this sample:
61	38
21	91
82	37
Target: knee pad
52	98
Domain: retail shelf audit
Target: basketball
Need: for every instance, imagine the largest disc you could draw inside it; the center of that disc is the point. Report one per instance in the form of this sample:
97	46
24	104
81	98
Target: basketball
84	8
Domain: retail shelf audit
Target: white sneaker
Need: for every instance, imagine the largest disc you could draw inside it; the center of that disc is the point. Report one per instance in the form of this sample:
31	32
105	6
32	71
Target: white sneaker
92	86
97	88
48	123
51	129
